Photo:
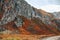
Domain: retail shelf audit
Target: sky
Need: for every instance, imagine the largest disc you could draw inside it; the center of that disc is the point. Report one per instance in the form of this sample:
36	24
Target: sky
47	5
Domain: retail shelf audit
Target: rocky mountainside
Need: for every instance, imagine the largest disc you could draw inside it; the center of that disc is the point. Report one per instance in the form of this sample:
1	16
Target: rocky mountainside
19	17
56	15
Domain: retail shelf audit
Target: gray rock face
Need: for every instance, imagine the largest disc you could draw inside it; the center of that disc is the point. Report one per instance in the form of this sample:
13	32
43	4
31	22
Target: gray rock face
13	8
19	21
56	15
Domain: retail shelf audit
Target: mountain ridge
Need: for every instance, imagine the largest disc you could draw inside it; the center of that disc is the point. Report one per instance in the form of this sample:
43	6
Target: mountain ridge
20	17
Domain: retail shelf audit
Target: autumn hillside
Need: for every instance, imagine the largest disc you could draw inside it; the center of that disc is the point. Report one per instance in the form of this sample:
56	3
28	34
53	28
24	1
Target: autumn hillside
17	18
35	26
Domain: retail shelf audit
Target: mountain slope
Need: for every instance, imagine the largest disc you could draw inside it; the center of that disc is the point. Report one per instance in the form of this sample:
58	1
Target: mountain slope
21	18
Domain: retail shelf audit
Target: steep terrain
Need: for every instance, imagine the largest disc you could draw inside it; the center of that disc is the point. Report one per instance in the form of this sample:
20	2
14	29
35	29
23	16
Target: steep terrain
18	16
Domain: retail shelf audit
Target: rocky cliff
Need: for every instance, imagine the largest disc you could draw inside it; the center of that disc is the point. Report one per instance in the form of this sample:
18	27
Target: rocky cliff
19	17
